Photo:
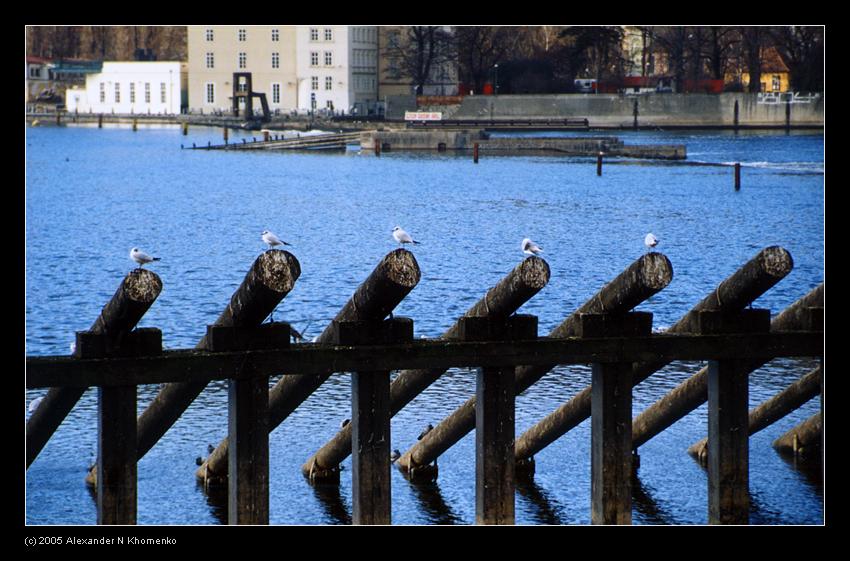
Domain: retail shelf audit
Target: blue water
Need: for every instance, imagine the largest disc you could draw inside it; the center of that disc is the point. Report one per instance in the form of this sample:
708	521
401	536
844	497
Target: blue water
92	194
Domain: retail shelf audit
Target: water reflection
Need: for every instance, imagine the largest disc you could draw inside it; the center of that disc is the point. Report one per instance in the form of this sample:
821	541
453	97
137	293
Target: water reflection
433	505
543	510
646	506
216	497
333	503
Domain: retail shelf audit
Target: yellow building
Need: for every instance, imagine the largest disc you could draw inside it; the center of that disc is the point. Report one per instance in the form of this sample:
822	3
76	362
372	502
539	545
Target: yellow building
775	76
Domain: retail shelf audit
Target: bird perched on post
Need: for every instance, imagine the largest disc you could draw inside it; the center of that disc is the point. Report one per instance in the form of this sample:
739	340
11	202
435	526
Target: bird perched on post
402	237
531	248
141	257
650	241
272	240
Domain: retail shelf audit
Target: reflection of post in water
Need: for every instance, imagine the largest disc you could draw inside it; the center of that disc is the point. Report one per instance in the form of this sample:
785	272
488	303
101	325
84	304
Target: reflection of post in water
809	466
330	498
645	505
544	512
433	505
216	496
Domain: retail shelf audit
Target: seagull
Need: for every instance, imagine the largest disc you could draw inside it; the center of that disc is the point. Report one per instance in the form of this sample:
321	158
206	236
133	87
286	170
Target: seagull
141	257
395	456
531	248
650	241
34	404
402	237
344	423
428	429
272	240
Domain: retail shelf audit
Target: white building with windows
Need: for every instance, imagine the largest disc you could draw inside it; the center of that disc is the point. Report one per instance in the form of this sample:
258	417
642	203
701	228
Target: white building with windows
149	87
298	68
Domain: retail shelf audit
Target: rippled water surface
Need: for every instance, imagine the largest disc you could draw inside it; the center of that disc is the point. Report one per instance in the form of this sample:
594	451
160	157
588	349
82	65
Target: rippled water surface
92	194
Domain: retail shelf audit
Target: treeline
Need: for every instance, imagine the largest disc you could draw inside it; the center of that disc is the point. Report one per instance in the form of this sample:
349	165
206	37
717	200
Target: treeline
106	42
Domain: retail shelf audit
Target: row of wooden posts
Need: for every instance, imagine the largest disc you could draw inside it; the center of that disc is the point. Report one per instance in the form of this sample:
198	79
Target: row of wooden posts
115	356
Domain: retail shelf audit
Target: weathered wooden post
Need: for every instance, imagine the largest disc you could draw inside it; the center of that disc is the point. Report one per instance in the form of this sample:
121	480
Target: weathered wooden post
391	280
225	133
370	419
767	268
692	393
475	152
611	420
377	147
635	113
737	176
100	121
135	125
735	118
646	276
599	164
185	128
775	408
728	434
135	295
494	418
271	277
502	300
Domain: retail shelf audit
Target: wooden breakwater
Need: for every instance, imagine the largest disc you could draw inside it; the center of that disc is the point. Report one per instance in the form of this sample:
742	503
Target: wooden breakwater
491	338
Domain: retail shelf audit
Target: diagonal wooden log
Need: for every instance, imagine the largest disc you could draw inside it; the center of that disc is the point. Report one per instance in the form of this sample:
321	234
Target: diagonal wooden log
271	277
502	300
137	292
737	291
391	280
802	439
775	408
643	278
693	392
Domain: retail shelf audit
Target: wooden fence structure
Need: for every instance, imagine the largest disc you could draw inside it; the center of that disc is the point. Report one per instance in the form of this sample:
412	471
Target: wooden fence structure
492	337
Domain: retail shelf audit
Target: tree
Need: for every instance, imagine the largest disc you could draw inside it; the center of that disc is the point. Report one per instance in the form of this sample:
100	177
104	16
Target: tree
419	51
753	40
593	49
480	48
801	48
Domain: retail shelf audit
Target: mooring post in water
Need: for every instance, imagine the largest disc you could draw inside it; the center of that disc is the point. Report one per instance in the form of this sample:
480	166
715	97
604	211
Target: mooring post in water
611	420
377	147
737	176
370	419
735	117
116	425
100	121
391	280
135	295
790	399
135	125
646	276
728	431
248	420
271	277
749	282
599	164
692	393
475	152
185	128
494	418
225	134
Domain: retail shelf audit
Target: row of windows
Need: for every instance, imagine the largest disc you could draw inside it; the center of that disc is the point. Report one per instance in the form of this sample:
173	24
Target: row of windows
242	59
364	35
163	92
241	34
327	34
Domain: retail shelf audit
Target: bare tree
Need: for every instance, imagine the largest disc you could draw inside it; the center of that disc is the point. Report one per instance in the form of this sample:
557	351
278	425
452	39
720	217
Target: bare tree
480	48
753	40
802	50
420	51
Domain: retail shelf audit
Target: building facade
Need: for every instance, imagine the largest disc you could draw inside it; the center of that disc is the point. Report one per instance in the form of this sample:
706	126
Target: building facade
154	88
298	68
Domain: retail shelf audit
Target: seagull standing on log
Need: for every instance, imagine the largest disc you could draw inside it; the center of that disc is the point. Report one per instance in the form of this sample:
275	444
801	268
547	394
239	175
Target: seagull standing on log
650	241
141	257
531	248
272	240
403	237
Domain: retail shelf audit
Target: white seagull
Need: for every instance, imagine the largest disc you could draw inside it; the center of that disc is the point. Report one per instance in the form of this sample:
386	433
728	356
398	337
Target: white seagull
272	240
531	248
650	241
402	237
141	257
35	403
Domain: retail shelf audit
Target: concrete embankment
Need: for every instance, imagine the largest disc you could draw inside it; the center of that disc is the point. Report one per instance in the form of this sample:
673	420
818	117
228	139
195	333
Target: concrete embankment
452	140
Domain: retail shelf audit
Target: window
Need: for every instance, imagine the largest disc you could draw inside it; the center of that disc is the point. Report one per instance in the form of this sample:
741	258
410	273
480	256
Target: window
163	95
329	104
132	92
314	58
243	60
275	60
275	93
776	82
147	92
329	58
314	82
210	60
314	34
117	92
329	83
210	89
102	92
275	34
241	34
329	34
209	34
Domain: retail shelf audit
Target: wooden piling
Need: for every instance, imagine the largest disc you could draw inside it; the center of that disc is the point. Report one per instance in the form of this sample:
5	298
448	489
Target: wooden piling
502	300
135	125
377	147
135	295
475	153
599	164
646	276
693	392
775	408
737	176
225	134
100	121
767	268
391	280
271	277
116	455
735	116
185	128
494	419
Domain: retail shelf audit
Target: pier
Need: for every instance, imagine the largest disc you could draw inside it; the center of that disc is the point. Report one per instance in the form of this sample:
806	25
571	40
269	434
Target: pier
502	347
